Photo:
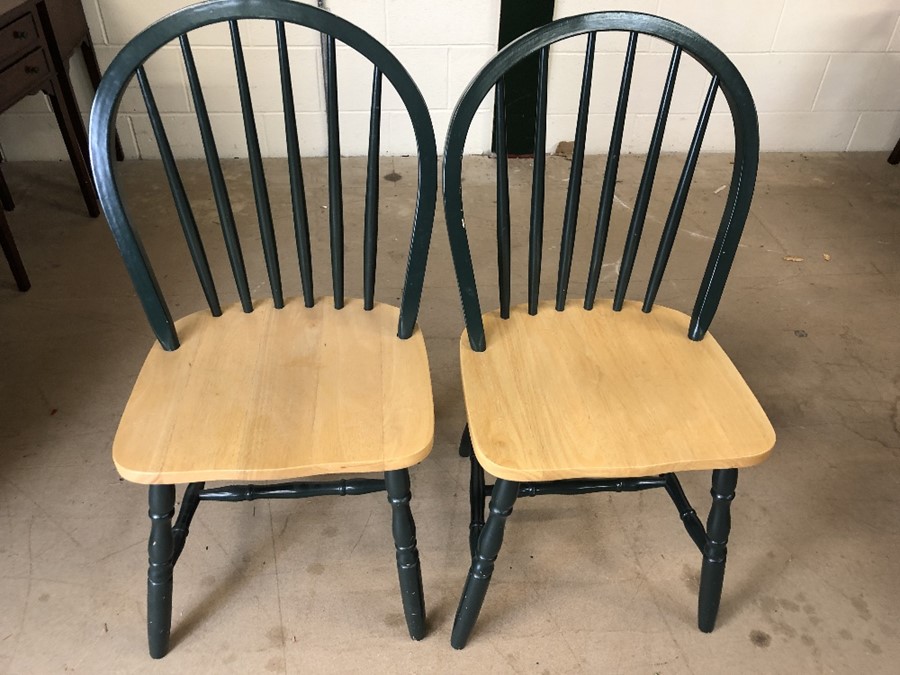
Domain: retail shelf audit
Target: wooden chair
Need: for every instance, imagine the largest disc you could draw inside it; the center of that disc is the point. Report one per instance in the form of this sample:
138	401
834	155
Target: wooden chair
282	388
577	396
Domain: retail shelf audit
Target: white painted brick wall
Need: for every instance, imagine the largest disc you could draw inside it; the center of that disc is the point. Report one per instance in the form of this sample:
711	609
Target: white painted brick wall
824	74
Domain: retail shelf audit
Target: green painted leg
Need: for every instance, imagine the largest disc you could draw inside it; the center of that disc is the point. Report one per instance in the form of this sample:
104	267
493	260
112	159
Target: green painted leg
408	568
503	498
718	526
159	575
476	490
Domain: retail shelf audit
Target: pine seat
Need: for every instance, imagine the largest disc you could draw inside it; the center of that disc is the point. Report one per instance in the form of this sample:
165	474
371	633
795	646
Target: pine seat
279	393
606	394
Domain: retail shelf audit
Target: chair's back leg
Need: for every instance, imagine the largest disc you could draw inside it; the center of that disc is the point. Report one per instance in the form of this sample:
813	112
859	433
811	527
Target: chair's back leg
476	502
503	497
408	568
159	574
718	526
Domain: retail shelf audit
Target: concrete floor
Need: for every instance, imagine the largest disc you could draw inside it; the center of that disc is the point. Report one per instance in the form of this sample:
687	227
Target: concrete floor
310	586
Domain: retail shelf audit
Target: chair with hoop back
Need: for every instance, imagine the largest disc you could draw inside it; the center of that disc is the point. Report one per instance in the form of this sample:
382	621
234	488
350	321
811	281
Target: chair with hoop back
571	396
278	388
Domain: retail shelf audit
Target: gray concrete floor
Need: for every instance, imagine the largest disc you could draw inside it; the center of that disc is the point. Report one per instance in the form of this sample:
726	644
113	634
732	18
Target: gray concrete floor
603	582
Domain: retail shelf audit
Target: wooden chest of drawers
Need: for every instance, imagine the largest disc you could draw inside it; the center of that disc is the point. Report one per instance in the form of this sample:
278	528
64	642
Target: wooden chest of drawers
24	64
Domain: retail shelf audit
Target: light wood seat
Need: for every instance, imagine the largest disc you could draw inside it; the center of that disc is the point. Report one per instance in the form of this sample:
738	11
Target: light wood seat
279	393
606	394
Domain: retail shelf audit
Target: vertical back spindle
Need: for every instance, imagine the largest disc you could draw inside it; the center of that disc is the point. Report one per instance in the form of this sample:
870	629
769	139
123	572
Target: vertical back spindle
536	237
503	243
633	239
608	190
681	195
182	205
220	191
335	194
295	169
257	173
370	233
573	196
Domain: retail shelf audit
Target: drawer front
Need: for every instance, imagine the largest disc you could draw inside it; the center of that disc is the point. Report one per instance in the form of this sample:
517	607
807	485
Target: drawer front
18	37
22	77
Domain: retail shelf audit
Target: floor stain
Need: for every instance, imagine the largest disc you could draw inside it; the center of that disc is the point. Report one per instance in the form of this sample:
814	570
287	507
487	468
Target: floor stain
393	177
807	640
887	629
275	635
330	531
845	634
760	638
862	607
315	569
394	620
691	578
789	605
783	628
872	647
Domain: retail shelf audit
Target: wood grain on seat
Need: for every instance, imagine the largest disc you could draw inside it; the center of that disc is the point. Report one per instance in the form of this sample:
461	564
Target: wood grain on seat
606	394
279	394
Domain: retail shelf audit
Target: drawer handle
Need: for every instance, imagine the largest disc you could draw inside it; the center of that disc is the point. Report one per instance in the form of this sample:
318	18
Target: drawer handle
20	34
32	70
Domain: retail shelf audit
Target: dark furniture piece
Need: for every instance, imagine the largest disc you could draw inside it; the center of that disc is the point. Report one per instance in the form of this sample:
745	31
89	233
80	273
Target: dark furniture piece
71	33
30	62
284	388
578	396
8	244
895	154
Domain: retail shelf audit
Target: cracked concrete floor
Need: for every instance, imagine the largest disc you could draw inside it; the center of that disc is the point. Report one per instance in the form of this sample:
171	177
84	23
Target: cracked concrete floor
602	582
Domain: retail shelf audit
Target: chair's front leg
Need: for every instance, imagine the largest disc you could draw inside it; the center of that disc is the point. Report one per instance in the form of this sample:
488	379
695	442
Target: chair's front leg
718	525
503	498
408	568
159	574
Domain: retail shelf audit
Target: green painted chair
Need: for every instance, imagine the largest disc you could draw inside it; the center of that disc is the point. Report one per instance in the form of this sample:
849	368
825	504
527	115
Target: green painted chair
279	388
572	396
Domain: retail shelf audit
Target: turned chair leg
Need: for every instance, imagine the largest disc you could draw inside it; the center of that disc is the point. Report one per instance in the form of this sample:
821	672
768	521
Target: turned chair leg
476	490
503	497
718	526
408	568
476	503
159	574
